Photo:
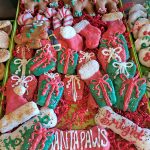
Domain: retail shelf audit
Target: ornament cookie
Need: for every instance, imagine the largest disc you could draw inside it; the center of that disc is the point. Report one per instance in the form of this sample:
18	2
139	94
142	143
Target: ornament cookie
4	39
32	36
91	33
50	90
6	26
144	57
104	6
129	92
78	6
19	139
142	43
18	116
128	130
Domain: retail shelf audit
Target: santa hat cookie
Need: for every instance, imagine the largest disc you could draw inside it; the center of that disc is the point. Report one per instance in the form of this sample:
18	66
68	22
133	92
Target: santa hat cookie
89	32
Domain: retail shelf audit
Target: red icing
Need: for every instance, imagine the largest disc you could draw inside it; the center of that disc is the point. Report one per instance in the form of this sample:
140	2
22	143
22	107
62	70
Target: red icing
39	136
101	82
131	83
147	56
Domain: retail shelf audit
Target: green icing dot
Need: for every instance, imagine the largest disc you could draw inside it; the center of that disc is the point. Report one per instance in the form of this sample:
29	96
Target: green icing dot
44	119
28	35
31	30
143	45
34	26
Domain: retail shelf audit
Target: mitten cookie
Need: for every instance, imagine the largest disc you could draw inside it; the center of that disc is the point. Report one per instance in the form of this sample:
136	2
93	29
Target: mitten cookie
73	40
22	51
6	26
144	57
129	92
105	55
74	88
114	68
50	91
128	130
32	36
91	33
43	61
142	43
67	61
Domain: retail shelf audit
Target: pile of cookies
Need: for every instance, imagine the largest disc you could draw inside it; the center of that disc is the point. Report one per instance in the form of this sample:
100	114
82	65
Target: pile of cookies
5	30
71	78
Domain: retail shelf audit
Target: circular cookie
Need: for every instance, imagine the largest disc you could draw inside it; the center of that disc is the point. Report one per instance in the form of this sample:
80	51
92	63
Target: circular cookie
137	7
2	70
135	16
4	39
4	55
6	26
144	57
112	16
138	24
145	30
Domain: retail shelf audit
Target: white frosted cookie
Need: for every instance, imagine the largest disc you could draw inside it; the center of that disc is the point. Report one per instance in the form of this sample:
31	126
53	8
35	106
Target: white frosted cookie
46	117
19	116
4	39
144	30
142	43
128	130
137	7
138	24
112	16
144	56
135	16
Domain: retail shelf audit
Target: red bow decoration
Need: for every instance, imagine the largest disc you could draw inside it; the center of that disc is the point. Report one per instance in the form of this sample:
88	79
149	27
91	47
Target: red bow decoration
39	135
67	55
44	58
100	83
131	83
55	84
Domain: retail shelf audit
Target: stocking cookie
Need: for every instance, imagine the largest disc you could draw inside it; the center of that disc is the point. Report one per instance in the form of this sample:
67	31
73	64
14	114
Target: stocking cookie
128	130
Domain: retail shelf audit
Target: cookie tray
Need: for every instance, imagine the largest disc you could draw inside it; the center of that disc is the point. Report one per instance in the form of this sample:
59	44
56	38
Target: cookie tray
11	46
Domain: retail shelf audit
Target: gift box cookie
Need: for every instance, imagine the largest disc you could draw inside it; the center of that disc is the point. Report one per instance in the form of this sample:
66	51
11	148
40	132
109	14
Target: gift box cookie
129	92
67	61
50	91
43	61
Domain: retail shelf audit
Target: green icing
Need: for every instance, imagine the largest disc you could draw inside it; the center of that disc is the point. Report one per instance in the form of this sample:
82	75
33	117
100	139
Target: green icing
125	45
71	68
147	6
40	70
17	68
111	70
100	99
41	99
77	13
133	104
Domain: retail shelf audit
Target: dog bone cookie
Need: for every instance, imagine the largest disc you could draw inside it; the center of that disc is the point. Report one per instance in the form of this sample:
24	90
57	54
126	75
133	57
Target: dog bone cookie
128	130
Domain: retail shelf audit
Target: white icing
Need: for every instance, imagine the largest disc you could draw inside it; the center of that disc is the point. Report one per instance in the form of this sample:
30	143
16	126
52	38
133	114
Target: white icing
104	142
145	28
82	137
137	7
89	69
67	32
76	141
88	140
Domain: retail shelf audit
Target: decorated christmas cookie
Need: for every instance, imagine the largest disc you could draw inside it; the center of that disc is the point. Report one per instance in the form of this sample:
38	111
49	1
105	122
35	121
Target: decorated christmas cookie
144	56
91	33
142	43
137	7
6	26
31	36
74	87
67	61
115	68
4	39
43	61
144	30
36	127
18	116
128	130
93	139
50	90
129	92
